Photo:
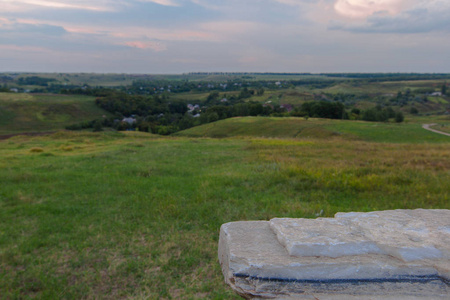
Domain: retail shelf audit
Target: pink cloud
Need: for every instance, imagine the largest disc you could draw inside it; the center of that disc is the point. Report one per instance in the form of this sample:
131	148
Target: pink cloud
155	46
23	48
163	34
365	8
162	2
24	5
209	31
5	21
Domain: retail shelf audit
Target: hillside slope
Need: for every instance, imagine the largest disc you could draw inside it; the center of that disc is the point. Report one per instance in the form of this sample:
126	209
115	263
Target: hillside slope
35	113
314	128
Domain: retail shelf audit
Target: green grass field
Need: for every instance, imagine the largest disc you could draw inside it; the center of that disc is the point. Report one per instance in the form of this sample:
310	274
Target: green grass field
278	97
317	128
34	113
438	100
137	216
115	215
114	80
93	79
387	87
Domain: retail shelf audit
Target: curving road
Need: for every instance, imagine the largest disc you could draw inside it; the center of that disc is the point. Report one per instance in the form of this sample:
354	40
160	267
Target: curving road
428	127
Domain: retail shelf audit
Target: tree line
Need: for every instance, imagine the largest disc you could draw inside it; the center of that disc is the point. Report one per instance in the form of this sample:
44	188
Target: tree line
161	115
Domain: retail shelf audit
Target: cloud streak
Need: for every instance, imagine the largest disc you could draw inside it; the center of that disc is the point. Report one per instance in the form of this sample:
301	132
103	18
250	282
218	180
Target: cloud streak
365	8
155	46
162	2
28	5
422	17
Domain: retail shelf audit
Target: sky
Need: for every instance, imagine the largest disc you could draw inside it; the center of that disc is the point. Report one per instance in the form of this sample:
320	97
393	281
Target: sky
178	36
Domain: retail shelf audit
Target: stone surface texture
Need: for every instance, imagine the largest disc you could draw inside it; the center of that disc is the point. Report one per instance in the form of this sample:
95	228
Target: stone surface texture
400	254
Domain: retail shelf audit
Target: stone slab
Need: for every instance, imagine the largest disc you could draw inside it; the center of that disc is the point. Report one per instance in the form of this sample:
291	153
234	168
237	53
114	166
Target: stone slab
406	234
322	237
257	266
425	234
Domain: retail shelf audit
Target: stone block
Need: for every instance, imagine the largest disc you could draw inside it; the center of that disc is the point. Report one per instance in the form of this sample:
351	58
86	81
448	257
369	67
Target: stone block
352	255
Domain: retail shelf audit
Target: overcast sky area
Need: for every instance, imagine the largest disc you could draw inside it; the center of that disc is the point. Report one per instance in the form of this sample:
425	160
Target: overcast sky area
177	36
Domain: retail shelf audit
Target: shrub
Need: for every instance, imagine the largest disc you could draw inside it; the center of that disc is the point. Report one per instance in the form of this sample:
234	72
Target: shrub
97	126
399	117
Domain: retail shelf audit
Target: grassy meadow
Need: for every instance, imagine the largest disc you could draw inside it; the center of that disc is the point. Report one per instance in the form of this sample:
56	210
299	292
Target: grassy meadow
20	112
93	79
384	87
273	127
131	215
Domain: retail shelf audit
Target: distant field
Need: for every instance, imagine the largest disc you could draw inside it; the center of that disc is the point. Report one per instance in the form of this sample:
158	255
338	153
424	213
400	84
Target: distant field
284	96
387	87
427	108
137	216
315	128
300	94
247	77
31	112
278	97
438	100
192	97
93	79
109	80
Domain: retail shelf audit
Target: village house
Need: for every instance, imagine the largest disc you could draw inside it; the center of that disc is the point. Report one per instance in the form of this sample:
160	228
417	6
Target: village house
129	120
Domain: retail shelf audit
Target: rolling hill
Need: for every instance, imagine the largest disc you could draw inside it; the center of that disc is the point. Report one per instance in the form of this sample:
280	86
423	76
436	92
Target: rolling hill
314	128
44	112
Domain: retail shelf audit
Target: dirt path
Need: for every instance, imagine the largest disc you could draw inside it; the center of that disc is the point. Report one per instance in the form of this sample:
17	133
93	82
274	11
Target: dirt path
428	127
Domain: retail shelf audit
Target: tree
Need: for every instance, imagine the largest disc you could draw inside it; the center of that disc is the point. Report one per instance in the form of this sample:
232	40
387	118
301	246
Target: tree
255	109
444	89
4	89
245	93
355	111
414	111
178	108
97	126
213	96
186	122
399	117
222	111
376	114
370	115
390	112
213	117
240	110
323	109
